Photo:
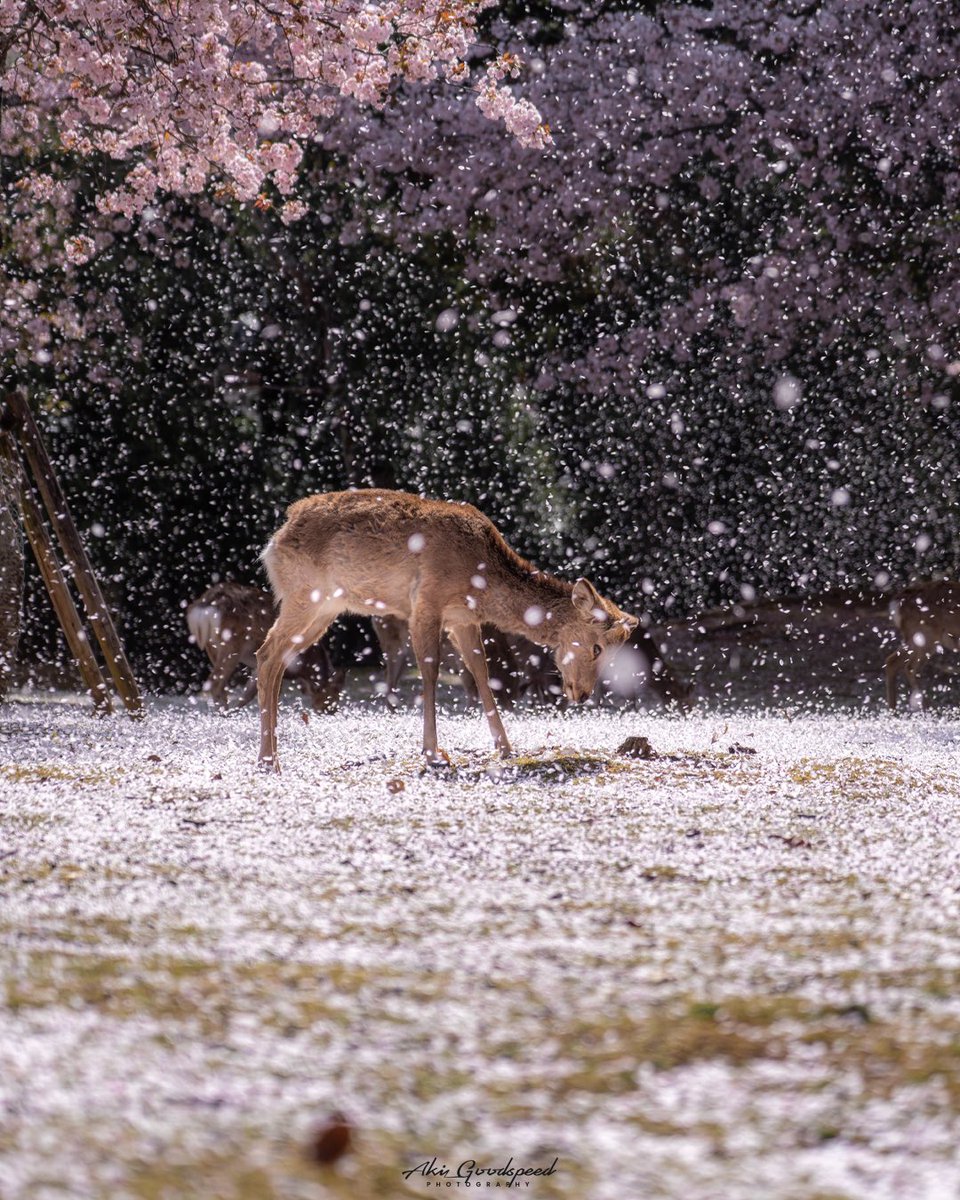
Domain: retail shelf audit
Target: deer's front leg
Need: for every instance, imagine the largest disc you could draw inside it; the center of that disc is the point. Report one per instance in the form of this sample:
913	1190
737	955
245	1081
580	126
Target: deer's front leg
425	636
469	643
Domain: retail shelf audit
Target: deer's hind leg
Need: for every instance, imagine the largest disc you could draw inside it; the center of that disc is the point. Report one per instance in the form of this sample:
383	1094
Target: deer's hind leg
249	691
224	661
302	621
392	634
907	661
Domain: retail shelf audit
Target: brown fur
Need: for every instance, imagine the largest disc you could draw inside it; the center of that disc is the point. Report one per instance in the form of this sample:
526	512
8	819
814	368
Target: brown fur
229	623
927	617
352	552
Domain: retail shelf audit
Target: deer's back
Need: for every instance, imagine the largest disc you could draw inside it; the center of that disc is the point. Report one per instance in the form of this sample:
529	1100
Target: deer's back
370	538
247	612
930	608
380	515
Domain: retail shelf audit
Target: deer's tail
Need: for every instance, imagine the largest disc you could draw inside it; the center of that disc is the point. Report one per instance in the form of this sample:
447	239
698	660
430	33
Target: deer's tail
205	622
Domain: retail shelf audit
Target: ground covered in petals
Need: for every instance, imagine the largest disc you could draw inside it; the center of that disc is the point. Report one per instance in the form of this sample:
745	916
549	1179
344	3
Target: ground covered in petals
727	970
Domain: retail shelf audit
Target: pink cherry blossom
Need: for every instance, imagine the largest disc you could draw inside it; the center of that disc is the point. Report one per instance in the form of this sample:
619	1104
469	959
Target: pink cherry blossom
169	99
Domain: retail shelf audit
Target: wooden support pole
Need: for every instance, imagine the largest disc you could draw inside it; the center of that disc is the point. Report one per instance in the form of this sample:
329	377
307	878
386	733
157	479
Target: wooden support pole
55	503
56	585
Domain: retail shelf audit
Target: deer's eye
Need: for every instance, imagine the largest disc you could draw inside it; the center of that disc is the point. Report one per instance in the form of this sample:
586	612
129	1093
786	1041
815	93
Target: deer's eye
597	651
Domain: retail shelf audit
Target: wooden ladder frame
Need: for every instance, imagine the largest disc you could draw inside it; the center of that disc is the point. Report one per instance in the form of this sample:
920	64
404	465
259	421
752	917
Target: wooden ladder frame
22	447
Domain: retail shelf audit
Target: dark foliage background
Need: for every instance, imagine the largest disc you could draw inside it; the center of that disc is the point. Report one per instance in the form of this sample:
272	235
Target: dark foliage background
571	361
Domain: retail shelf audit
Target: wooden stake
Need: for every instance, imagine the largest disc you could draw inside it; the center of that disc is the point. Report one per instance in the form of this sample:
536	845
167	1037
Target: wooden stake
56	585
55	503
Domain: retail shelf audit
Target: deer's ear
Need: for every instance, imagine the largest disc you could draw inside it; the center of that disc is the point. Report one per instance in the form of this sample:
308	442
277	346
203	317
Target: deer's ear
587	601
630	622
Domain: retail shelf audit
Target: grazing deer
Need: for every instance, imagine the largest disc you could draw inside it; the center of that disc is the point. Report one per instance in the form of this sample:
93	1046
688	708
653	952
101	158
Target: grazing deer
518	667
436	565
504	668
229	622
927	617
641	664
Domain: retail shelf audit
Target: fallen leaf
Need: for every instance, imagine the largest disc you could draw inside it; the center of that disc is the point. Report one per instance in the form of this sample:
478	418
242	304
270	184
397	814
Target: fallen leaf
331	1140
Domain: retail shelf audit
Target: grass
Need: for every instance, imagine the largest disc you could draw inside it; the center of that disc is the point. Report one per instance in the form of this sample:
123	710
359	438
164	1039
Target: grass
48	773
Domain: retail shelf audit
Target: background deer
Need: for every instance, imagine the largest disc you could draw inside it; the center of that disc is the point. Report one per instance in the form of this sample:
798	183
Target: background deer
927	617
394	638
641	664
229	622
518	667
438	566
503	653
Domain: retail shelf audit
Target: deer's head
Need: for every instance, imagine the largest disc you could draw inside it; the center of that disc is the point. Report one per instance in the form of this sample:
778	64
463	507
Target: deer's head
596	627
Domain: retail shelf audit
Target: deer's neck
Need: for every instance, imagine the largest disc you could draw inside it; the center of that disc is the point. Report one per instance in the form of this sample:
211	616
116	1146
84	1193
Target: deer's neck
528	602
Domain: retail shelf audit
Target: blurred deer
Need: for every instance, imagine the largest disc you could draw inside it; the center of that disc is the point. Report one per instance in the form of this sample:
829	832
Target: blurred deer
518	667
394	638
640	665
637	664
927	617
229	622
504	667
438	566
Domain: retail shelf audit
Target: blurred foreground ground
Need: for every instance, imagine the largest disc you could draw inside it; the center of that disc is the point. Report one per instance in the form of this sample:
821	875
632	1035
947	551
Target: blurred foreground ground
729	971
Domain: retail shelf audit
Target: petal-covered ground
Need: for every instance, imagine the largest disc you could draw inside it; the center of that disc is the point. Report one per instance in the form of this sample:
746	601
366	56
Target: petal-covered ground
729	970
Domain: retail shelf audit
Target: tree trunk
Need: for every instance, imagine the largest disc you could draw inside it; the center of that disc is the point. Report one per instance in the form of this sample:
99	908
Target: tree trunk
11	574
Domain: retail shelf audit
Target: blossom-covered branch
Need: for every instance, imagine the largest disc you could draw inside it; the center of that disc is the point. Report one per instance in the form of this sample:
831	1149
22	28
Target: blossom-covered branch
167	97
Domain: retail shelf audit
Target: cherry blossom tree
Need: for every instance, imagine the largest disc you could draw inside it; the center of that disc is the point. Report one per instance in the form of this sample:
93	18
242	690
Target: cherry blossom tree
730	287
153	98
764	172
